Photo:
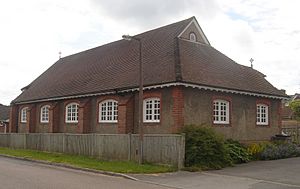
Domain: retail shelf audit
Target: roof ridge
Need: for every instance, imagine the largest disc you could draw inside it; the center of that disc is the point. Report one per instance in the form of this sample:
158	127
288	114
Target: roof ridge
139	34
168	25
241	65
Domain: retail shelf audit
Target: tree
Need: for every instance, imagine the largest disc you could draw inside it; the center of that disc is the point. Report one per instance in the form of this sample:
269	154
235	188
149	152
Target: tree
295	106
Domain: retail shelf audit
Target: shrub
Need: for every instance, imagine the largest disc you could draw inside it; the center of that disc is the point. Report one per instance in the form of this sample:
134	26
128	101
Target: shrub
280	151
205	148
237	152
256	149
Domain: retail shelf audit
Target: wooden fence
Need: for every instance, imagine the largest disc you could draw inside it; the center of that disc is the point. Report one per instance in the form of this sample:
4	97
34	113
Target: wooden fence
293	132
157	148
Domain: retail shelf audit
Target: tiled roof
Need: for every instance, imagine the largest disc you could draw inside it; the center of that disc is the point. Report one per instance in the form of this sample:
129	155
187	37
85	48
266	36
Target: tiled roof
4	112
114	66
203	64
109	67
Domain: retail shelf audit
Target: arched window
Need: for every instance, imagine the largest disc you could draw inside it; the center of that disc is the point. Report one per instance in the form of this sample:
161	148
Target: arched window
151	110
72	113
44	115
24	115
193	37
108	111
262	114
221	112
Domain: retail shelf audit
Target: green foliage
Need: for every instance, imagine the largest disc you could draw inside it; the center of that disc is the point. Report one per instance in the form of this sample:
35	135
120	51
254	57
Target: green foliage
256	149
295	106
280	151
205	148
87	162
237	152
273	150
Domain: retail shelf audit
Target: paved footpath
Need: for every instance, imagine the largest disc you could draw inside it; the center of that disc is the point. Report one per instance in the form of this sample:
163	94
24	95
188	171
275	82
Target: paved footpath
278	174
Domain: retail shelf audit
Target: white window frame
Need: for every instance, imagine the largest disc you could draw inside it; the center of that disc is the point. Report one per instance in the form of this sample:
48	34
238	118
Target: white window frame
108	111
69	115
151	114
44	114
262	114
192	37
221	107
24	115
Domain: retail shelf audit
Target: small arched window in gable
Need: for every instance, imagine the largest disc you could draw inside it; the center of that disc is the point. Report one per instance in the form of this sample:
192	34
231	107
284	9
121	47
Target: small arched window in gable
193	37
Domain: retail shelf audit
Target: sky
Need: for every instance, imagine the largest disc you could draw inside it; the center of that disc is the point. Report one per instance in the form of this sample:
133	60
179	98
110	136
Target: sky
33	32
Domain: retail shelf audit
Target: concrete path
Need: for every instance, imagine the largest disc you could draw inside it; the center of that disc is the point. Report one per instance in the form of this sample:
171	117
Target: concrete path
279	174
19	174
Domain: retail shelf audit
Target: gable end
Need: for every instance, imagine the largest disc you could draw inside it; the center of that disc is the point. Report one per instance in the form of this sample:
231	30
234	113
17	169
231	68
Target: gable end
193	28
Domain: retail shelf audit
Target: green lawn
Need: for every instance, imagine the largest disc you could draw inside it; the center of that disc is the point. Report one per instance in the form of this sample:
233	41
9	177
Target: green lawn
88	162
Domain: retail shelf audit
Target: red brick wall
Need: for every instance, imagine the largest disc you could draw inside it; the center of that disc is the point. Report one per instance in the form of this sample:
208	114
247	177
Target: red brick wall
198	110
129	115
179	106
23	127
31	119
113	128
177	109
13	118
83	125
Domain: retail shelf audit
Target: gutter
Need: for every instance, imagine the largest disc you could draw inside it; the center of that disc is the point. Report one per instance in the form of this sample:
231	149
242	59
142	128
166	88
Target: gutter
209	88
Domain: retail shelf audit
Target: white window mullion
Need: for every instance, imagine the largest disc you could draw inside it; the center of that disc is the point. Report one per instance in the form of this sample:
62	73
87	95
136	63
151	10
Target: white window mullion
24	115
262	114
108	111
44	115
221	112
151	110
72	113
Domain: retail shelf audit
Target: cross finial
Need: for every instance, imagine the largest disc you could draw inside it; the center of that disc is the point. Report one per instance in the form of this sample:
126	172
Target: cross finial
59	53
251	60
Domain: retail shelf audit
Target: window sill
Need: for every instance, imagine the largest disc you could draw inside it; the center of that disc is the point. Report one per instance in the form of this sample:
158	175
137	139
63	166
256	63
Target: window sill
221	123
113	122
157	122
71	122
262	125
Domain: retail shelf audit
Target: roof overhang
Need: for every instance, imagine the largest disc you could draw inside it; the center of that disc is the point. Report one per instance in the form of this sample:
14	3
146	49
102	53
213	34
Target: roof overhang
210	88
172	84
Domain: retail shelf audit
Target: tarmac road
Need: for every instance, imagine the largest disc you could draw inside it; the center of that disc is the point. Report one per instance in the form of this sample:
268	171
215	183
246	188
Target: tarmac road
19	174
278	174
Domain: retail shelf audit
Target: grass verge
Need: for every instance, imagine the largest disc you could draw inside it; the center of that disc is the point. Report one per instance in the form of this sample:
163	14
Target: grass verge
88	162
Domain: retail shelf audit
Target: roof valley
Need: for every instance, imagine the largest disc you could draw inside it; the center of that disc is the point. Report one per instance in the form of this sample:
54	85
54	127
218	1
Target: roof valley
177	63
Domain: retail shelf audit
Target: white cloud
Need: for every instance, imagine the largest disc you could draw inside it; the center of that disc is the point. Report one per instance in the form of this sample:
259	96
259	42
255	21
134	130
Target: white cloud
267	31
34	31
